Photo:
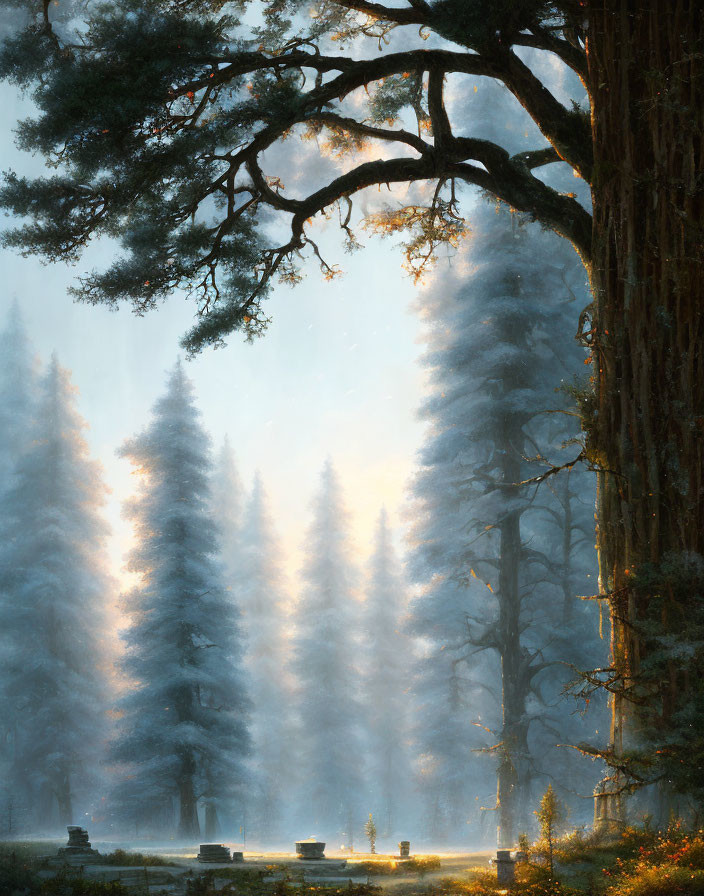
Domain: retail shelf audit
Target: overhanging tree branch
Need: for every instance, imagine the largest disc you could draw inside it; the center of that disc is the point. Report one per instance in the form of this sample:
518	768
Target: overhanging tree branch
417	15
192	140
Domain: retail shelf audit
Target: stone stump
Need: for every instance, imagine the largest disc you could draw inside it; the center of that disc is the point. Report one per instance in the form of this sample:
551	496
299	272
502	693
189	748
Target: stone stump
505	868
310	849
214	852
404	849
78	849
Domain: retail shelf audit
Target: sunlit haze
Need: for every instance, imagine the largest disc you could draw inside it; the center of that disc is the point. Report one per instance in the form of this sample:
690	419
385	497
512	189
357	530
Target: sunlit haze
334	376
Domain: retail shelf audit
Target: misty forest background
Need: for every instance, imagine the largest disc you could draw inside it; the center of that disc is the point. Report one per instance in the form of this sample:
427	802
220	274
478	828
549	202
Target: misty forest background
426	682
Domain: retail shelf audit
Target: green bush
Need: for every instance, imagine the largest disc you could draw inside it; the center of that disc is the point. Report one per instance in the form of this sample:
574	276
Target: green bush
79	886
21	878
599	849
135	859
28	849
15	876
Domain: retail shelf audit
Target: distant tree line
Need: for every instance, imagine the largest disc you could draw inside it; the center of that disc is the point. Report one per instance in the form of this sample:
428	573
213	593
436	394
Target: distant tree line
237	707
209	717
233	707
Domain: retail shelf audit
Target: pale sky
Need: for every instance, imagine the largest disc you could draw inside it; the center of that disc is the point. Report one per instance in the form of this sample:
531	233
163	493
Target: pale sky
336	374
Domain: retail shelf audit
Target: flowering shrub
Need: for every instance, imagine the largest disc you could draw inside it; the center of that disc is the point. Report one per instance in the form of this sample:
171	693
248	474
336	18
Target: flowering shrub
672	864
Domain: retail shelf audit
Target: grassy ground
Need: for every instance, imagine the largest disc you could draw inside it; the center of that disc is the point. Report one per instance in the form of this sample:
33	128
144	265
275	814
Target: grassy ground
638	863
24	870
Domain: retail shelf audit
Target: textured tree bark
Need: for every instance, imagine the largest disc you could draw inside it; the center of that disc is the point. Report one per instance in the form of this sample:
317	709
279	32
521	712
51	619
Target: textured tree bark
646	79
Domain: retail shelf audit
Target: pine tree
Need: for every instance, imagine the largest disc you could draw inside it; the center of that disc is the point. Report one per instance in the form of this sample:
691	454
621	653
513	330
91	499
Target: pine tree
637	147
183	737
261	591
18	384
550	814
498	556
54	594
324	664
451	701
370	831
386	680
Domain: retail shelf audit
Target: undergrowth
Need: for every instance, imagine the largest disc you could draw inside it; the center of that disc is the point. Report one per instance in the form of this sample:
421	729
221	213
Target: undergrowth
640	862
138	859
28	850
419	865
20	877
531	880
210	883
668	864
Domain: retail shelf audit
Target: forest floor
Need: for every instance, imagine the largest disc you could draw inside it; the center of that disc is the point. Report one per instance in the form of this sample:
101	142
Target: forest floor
640	862
174	871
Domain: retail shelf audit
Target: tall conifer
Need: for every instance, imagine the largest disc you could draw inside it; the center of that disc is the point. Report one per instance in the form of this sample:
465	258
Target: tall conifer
183	737
54	593
261	591
501	557
386	681
18	385
326	667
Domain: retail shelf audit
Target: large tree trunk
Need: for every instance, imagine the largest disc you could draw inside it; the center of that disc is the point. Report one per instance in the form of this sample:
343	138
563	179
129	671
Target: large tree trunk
646	79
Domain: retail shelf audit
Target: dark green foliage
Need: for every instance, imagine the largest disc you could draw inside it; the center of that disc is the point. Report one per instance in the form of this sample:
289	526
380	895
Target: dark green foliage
24	52
482	23
16	874
105	102
136	859
665	692
79	886
102	121
160	113
19	876
396	93
25	851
